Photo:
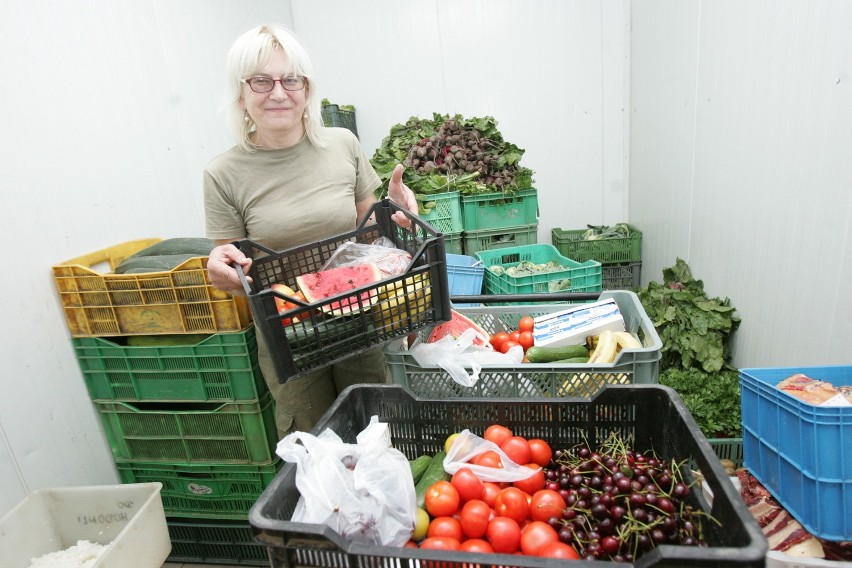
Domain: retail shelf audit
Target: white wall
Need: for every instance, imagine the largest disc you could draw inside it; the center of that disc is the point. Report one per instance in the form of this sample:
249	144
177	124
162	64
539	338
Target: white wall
741	132
111	149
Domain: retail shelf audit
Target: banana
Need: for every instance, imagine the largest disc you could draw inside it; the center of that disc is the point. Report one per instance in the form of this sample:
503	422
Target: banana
606	348
627	340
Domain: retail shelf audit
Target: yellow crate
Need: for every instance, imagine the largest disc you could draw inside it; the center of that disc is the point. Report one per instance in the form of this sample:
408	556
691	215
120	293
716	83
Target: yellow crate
180	300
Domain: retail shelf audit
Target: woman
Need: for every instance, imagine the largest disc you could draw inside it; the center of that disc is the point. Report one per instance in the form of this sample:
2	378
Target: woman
287	182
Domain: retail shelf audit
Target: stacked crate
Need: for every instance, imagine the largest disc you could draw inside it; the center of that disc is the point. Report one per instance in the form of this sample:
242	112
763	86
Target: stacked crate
620	257
497	220
170	364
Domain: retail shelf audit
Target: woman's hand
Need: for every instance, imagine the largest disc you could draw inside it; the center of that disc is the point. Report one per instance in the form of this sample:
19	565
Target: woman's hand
221	271
399	193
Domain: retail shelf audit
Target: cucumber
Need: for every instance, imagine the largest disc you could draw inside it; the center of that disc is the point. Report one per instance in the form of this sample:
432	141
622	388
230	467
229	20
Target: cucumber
435	472
536	354
573	360
419	466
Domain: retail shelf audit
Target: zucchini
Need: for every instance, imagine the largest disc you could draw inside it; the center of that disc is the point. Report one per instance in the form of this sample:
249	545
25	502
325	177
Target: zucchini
536	354
573	360
419	466
435	472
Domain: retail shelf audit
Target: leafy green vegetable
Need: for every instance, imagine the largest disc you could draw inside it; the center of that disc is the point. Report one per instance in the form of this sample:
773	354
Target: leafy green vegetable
713	399
617	231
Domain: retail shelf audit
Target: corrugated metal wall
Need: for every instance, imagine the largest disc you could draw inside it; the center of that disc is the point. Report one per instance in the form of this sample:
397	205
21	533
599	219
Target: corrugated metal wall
111	113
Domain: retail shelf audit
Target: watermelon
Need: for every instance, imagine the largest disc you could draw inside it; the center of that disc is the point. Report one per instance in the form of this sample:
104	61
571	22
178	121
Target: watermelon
318	286
456	326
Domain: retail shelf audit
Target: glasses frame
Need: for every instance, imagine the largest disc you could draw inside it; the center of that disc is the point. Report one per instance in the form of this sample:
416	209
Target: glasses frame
249	81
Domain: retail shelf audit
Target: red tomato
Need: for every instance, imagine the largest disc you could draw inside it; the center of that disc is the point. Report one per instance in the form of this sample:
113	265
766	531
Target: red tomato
498	339
440	543
533	483
441	499
518	449
513	503
490	490
504	535
545	504
497	434
526	340
515	336
445	527
541	452
526	324
476	545
558	550
508	345
474	518
411	544
489	459
467	484
535	535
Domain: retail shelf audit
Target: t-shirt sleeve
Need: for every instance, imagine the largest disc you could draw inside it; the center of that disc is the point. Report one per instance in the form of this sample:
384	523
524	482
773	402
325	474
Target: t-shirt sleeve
222	220
368	179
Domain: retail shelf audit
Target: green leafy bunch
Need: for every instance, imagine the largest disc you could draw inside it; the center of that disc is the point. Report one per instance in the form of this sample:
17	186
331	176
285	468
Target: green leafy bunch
713	399
451	153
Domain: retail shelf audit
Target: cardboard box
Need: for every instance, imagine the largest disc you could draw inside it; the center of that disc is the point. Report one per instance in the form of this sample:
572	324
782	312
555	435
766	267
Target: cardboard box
571	326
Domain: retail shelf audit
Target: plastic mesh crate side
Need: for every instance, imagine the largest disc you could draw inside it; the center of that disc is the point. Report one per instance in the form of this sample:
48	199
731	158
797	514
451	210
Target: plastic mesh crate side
445	215
229	433
652	415
493	239
320	337
571	244
180	300
464	275
453	243
214	541
627	276
798	451
333	115
489	211
728	449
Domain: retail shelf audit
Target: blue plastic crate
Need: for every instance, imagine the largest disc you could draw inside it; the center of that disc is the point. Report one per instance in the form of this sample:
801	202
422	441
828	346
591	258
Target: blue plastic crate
800	452
464	276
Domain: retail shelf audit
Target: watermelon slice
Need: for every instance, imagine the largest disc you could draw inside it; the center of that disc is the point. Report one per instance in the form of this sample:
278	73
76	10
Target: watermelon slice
318	286
456	326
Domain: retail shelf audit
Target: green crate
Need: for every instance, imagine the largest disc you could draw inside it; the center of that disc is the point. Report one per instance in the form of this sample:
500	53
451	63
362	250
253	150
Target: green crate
220	367
500	210
453	243
570	243
204	491
627	276
493	239
728	449
230	433
573	277
445	214
333	115
534	379
214	542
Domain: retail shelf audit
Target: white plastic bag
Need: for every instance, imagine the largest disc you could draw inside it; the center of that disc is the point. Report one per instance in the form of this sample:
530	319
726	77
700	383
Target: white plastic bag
364	491
391	261
468	445
456	355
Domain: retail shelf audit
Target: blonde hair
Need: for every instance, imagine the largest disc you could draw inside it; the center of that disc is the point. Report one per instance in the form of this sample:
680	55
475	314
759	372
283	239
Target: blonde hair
249	54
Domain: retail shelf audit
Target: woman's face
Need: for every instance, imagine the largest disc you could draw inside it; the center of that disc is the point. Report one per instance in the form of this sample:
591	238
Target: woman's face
278	113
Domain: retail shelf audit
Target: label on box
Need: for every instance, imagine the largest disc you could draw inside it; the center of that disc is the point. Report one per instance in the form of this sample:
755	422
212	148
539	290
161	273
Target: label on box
837	400
573	325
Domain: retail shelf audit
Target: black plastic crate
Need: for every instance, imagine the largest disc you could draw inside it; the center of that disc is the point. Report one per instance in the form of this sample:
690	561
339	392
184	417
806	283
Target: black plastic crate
214	541
307	338
653	415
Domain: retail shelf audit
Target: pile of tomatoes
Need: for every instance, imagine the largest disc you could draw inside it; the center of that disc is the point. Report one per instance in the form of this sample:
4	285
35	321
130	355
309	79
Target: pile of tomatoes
472	515
522	335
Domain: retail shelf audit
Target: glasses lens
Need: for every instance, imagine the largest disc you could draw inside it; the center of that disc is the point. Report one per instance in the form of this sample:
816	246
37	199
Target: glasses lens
293	83
260	84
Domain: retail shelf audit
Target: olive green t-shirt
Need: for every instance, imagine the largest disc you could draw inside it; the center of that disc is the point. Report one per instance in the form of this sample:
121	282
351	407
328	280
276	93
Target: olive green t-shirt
288	197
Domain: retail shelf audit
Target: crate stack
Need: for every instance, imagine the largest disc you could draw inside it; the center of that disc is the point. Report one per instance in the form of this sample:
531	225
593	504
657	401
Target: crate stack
620	257
496	220
170	363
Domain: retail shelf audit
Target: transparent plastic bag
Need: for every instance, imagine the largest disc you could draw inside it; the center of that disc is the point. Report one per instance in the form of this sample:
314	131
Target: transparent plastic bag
468	445
458	354
364	491
382	252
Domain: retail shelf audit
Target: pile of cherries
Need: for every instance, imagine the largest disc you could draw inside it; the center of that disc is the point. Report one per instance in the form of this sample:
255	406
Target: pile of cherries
621	503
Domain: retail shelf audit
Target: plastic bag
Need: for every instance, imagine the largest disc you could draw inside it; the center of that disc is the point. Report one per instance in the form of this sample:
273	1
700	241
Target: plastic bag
456	355
390	260
364	491
468	445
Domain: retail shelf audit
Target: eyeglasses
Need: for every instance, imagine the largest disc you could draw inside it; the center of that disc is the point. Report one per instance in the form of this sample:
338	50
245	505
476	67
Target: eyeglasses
266	84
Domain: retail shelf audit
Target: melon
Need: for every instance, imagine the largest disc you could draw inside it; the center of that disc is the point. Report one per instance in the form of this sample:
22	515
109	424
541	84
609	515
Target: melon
456	326
318	286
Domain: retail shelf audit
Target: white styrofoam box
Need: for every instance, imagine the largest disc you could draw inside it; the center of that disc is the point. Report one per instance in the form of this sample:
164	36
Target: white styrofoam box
128	519
572	325
776	559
